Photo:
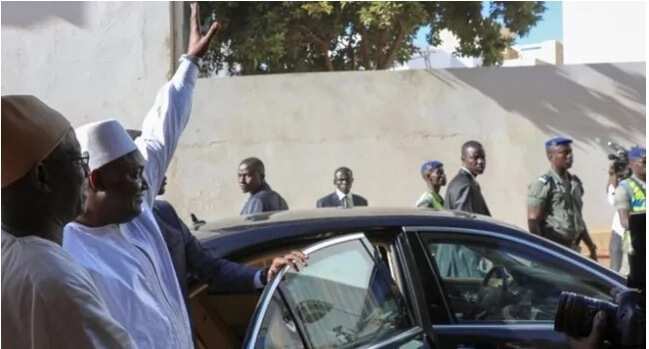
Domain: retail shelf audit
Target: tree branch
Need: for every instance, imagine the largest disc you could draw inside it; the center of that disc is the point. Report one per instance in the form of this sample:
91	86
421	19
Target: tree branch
389	57
318	40
321	43
383	37
365	57
350	51
324	48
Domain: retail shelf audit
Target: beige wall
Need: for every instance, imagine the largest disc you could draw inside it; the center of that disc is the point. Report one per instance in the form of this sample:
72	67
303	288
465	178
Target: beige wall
98	60
384	124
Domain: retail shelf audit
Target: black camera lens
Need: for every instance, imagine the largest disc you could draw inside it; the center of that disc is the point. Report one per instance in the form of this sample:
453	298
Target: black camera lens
575	313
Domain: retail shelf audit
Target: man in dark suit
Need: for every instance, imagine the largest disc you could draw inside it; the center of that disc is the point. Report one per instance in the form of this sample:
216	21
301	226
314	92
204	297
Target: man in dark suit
342	197
191	260
463	193
252	180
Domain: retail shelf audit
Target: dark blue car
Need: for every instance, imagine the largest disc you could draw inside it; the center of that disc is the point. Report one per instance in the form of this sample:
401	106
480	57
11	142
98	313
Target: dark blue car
393	278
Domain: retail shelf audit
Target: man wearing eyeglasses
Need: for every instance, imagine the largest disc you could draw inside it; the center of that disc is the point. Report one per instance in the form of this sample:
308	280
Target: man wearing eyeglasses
118	239
48	299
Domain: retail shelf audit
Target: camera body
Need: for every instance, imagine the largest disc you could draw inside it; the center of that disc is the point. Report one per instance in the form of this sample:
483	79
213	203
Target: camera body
625	326
620	158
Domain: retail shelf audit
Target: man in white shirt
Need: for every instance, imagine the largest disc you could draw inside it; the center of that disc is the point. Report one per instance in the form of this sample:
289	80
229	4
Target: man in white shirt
117	239
617	260
48	300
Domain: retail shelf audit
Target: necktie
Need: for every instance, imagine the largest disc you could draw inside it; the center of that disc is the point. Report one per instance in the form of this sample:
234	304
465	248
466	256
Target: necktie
346	203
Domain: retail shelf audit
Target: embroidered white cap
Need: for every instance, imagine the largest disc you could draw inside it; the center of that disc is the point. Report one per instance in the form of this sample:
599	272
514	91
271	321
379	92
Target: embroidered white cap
104	141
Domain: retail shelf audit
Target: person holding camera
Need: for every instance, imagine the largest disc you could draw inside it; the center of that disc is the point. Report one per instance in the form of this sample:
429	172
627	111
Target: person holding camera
630	194
595	340
616	253
555	200
596	322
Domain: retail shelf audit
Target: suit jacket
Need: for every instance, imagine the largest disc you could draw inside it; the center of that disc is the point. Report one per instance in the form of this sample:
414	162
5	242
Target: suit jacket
463	193
265	200
332	200
191	259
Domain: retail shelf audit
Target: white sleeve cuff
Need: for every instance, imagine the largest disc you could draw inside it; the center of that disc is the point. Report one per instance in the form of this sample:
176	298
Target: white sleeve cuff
187	72
611	195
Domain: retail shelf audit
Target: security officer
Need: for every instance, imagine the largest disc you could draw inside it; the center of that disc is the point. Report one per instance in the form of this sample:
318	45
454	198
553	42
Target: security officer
554	200
432	172
630	195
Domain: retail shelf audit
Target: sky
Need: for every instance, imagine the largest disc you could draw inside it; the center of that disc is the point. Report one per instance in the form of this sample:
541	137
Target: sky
549	27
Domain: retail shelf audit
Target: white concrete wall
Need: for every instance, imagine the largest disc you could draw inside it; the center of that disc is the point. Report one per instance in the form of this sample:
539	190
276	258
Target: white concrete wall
91	60
604	32
96	60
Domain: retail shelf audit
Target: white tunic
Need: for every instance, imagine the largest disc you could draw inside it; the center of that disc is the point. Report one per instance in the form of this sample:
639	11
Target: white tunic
49	301
130	262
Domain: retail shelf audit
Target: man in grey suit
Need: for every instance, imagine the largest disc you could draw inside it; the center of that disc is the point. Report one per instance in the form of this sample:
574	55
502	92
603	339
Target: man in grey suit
342	197
463	193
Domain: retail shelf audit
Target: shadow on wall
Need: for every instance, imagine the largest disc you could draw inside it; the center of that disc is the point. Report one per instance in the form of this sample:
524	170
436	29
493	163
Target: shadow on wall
633	86
28	14
556	104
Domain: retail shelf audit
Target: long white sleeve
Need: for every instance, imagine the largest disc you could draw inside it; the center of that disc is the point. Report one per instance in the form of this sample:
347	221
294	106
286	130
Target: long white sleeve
164	124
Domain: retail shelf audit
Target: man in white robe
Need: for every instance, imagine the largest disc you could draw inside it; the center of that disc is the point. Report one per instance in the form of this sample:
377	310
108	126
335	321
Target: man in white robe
118	239
48	300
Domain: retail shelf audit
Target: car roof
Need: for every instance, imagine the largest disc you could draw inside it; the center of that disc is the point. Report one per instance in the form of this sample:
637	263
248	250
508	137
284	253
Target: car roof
242	222
230	235
247	235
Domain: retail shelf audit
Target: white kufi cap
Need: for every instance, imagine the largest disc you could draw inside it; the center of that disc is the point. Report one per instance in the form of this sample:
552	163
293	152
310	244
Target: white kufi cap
104	141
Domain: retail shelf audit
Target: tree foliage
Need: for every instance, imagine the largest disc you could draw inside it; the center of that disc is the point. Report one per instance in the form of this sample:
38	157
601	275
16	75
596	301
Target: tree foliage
278	37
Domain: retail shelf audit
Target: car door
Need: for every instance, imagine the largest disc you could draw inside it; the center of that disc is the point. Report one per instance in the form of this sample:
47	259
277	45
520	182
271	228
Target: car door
343	298
491	290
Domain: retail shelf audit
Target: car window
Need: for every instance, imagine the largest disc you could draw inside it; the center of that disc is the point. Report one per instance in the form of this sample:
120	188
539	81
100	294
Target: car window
494	280
278	329
345	297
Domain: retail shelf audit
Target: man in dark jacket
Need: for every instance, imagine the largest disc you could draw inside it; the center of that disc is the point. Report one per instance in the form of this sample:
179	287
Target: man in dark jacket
463	193
252	179
190	259
342	197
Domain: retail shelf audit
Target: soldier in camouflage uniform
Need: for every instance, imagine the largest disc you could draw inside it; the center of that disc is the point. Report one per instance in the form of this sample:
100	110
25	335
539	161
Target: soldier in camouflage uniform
554	200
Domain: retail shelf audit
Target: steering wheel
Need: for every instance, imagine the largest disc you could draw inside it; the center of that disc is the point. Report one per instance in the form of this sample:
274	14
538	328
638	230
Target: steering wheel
498	271
493	300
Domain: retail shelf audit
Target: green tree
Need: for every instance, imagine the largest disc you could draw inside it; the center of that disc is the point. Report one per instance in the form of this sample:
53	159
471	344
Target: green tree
280	37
